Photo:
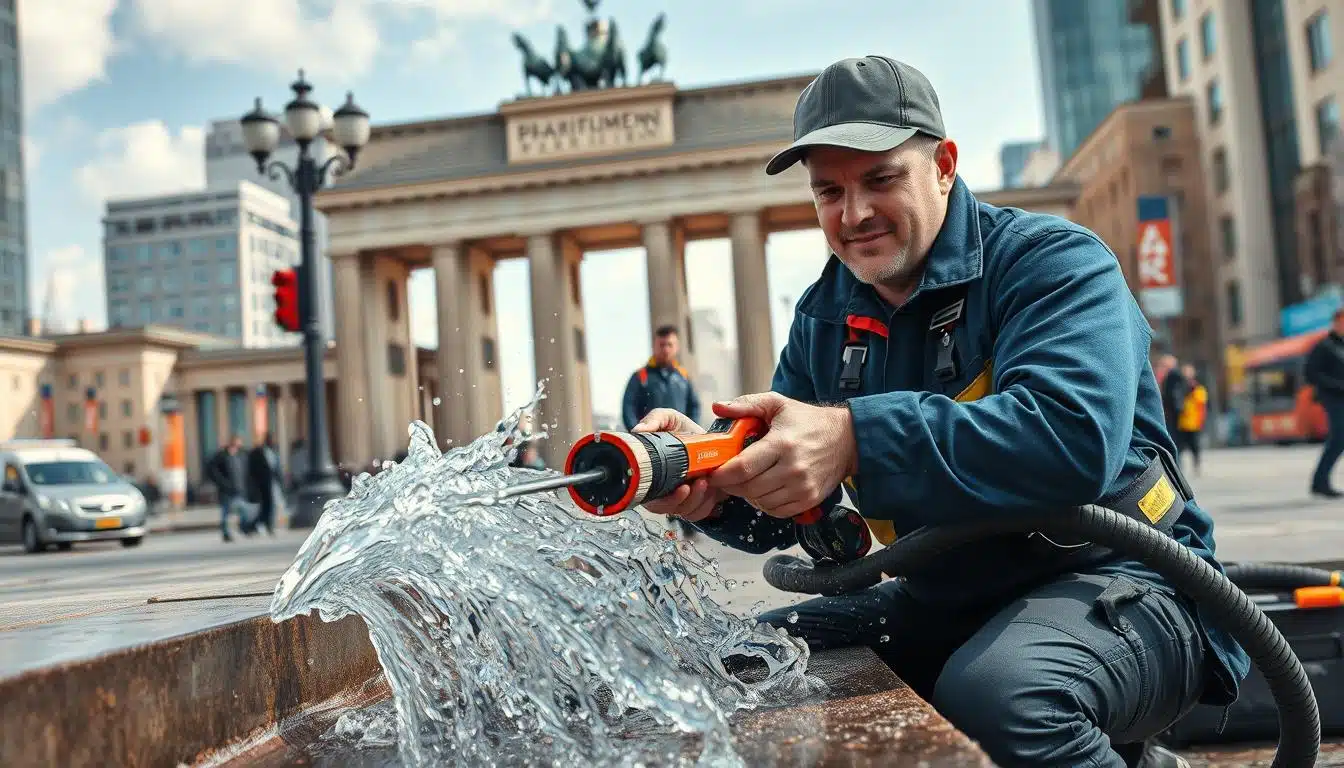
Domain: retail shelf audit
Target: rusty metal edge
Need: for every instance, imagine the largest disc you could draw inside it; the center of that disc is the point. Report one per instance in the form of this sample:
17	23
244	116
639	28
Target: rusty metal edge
181	699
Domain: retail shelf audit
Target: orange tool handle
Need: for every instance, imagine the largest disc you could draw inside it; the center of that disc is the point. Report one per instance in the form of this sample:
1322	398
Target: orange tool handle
1319	597
708	451
711	450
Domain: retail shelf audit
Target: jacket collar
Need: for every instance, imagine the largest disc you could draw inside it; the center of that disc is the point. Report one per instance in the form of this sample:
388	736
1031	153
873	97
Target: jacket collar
957	256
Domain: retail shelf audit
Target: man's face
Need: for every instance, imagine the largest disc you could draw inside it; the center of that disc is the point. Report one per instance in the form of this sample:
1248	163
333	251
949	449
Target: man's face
881	212
235	444
665	348
1189	371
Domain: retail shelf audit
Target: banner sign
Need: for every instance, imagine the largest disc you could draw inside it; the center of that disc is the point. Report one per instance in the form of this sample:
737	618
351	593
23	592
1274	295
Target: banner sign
91	411
1159	286
47	414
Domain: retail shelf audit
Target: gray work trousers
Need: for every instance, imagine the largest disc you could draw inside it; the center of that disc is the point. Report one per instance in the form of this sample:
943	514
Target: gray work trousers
1061	676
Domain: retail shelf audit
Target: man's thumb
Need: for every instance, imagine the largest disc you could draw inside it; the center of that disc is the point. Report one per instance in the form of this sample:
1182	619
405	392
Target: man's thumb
762	405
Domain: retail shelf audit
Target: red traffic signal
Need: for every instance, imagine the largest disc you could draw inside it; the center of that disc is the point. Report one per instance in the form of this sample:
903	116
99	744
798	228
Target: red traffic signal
286	283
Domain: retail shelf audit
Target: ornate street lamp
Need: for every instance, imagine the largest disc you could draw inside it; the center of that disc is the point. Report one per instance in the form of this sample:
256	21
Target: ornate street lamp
349	131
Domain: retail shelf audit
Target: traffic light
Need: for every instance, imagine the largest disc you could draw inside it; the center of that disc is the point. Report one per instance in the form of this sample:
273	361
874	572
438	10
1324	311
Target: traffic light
286	282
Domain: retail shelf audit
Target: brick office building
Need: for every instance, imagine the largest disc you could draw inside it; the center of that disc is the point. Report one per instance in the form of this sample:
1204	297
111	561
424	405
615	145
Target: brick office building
1151	148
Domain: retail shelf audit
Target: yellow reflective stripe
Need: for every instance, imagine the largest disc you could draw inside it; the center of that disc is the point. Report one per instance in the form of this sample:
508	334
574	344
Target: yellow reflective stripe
980	387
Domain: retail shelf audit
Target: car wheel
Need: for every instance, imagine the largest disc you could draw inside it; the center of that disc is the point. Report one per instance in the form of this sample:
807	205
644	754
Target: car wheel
132	542
32	543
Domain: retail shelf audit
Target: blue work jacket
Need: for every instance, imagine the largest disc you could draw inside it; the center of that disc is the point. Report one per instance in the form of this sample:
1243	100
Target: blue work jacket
659	386
1050	398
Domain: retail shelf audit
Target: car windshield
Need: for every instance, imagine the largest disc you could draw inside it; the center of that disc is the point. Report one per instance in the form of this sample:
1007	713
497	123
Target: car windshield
70	473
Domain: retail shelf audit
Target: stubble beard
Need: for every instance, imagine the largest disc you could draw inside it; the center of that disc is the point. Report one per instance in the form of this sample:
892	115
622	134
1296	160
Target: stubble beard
895	270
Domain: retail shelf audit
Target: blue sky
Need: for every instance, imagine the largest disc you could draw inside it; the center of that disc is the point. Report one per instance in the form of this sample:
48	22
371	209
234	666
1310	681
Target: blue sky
118	94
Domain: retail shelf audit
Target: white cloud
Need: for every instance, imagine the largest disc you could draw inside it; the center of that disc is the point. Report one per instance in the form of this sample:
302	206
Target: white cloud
513	13
144	159
65	46
75	279
274	35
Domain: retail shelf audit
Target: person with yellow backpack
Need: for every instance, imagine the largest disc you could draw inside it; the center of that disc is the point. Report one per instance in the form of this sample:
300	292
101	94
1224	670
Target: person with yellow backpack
1194	412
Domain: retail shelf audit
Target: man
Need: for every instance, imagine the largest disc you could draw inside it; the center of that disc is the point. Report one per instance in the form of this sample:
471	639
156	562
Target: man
265	482
1194	413
227	471
661	383
957	362
1174	389
1324	371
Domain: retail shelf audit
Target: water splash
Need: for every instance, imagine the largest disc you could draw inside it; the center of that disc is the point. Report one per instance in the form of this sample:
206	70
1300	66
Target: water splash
525	631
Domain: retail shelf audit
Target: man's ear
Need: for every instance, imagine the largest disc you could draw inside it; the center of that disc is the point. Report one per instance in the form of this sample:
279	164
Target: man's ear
945	160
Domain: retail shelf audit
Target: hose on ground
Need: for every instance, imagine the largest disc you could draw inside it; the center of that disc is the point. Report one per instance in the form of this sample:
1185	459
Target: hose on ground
1280	576
1221	601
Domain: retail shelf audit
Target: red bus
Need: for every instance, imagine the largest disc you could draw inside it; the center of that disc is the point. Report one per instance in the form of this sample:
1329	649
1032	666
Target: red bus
1283	406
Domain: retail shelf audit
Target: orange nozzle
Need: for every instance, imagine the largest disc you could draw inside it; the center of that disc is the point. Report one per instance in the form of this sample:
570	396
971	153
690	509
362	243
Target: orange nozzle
1319	597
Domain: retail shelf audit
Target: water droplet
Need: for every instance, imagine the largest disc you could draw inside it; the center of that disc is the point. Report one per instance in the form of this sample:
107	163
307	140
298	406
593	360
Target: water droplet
461	370
793	617
882	620
436	402
884	638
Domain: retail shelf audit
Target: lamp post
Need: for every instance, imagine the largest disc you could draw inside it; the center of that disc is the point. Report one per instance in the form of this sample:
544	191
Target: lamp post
350	131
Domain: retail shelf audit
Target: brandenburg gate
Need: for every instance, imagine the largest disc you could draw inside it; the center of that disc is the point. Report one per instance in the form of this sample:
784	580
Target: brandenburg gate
547	178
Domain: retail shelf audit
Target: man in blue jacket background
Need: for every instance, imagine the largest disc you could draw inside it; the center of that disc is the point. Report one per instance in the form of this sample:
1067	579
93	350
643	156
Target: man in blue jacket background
957	362
661	383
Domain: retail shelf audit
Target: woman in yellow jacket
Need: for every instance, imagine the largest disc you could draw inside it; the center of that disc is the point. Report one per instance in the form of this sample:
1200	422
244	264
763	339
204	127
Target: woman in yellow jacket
1193	413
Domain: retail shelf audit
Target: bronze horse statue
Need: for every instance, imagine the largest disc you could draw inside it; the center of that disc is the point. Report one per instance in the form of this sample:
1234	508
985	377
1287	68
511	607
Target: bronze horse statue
533	65
590	67
654	52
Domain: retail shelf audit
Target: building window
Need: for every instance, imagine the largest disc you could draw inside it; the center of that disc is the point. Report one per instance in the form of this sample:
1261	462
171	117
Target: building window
1220	175
1177	10
1183	59
127	439
98	379
72	413
198	247
1327	122
1215	97
1228	231
1207	44
228	273
170	251
102	441
1234	310
143	254
73	381
102	410
124	377
224	244
146	311
393	304
1319	49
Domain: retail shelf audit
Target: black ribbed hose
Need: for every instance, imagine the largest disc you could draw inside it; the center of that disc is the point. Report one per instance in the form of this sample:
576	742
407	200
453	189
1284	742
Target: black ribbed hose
1219	599
1279	576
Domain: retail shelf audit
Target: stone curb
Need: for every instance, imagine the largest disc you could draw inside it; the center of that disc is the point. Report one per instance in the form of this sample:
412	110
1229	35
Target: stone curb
180	700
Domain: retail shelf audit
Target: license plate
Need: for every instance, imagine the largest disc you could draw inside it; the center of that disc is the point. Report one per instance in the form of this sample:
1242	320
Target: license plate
107	522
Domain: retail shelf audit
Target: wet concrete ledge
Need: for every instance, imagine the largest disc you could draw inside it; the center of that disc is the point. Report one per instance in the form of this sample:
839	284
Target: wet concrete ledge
176	700
256	693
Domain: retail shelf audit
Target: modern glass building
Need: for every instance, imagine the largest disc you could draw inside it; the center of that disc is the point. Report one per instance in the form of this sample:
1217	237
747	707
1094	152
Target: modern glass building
1093	58
13	211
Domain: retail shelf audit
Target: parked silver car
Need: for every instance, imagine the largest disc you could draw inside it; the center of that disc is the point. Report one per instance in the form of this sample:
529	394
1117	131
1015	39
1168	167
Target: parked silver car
52	492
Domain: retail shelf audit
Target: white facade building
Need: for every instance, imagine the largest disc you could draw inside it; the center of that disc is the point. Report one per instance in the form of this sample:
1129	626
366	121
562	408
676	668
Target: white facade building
716	376
200	261
227	163
1262	94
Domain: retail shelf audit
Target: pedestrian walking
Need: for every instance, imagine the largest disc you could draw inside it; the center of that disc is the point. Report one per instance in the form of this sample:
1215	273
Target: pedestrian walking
1194	414
1324	371
265	482
228	471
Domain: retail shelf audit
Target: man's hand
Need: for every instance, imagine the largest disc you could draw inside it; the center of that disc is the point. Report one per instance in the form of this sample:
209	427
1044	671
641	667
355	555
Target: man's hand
693	501
807	452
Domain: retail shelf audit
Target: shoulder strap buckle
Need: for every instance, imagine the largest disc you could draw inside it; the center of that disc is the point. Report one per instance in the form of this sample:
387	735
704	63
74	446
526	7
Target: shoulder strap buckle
851	370
942	324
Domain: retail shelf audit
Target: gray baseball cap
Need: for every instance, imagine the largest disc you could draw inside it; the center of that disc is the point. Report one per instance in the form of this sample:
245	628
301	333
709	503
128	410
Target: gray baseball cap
872	104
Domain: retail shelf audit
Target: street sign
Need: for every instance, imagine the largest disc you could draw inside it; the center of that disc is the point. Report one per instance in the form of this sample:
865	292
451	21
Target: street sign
1159	286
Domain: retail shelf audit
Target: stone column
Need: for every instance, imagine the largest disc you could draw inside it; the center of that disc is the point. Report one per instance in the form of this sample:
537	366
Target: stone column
751	289
222	425
280	430
351	368
563	412
668	303
192	434
373	328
